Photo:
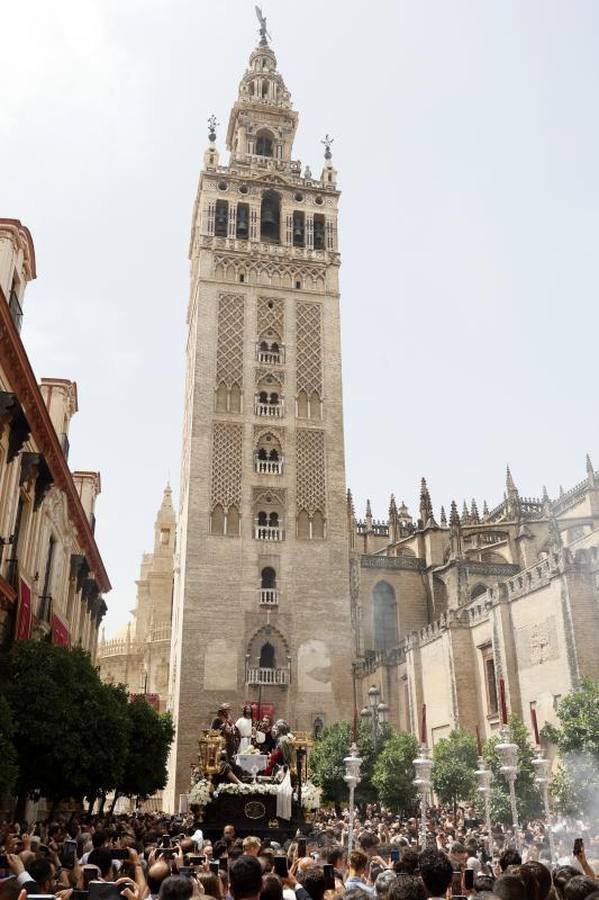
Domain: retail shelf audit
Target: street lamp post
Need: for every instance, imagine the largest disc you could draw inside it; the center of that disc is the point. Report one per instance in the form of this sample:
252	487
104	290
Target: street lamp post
352	779
484	789
542	778
376	713
507	752
424	767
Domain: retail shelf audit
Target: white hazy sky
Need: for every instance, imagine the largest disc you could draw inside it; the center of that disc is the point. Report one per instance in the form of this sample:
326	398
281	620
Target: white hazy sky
467	141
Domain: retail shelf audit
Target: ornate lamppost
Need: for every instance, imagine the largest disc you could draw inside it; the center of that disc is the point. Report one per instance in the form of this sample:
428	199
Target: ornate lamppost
352	780
542	780
484	789
507	752
424	767
376	713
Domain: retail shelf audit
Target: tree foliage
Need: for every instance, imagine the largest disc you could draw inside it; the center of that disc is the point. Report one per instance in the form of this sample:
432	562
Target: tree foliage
328	768
529	801
394	772
455	764
150	735
575	785
75	736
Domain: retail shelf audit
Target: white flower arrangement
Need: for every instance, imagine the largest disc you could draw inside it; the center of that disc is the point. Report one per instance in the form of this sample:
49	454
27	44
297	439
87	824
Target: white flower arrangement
200	793
259	788
311	796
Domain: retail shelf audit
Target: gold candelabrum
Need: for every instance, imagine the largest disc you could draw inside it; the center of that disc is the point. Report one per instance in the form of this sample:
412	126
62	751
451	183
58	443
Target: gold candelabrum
211	747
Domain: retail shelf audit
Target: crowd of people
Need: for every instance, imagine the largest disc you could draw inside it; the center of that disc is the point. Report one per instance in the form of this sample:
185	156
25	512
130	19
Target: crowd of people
154	857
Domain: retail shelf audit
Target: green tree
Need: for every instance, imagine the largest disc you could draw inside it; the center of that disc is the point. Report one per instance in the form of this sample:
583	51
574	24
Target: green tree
9	769
529	800
575	785
69	729
455	764
328	769
150	735
394	772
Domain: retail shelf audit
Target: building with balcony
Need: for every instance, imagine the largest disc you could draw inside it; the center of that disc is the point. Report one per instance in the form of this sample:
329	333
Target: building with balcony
138	655
52	578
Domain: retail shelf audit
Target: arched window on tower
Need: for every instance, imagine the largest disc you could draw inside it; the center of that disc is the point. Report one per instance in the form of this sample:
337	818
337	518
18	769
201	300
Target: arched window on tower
243	221
268	578
299	230
302	405
221	218
478	590
264	141
267	656
318	231
317	525
235	399
270	217
303	524
217	520
384	614
233	522
315	405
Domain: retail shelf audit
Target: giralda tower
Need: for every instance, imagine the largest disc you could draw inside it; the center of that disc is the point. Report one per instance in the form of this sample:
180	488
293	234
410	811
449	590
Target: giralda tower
261	608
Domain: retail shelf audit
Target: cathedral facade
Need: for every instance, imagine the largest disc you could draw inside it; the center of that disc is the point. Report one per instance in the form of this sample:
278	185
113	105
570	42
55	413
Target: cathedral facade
445	607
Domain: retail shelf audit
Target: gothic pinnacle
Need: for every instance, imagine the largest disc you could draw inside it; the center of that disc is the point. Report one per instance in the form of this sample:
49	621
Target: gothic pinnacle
465	514
393	515
590	471
454	516
509	483
350	504
485	509
474	512
426	506
443	517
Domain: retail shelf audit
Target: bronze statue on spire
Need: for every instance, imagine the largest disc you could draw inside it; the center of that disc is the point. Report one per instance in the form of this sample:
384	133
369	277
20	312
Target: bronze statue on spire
264	35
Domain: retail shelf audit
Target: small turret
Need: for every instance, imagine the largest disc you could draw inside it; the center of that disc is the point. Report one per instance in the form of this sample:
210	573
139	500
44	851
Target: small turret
443	518
512	496
211	155
329	172
454	516
485	510
474	516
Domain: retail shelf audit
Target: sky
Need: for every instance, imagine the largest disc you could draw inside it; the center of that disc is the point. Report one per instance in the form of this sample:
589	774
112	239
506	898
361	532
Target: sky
466	141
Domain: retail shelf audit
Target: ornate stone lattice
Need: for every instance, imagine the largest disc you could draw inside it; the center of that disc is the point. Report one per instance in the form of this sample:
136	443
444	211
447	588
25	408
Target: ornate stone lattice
309	344
226	465
229	353
310	472
269	496
271	316
270	376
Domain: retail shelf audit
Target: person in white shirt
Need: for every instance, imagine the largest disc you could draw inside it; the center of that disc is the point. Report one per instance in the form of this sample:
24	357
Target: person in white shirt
244	727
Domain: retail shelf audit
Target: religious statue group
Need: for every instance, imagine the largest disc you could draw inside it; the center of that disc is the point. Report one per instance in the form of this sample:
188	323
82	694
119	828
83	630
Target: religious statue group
246	736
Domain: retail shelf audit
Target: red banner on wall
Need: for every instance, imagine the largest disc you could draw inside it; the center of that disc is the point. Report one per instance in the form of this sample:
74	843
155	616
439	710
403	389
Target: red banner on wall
23	632
259	710
60	633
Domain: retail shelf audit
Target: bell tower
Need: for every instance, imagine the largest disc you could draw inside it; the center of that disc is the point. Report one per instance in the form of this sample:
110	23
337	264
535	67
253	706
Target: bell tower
261	606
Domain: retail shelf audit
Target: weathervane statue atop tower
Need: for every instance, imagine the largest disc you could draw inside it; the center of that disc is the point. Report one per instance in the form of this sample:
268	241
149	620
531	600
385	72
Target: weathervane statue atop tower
264	35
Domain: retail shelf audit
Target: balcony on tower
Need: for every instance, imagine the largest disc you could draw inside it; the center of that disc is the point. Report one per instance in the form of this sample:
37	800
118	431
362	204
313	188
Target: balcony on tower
268	594
268	527
258	675
270	352
270	404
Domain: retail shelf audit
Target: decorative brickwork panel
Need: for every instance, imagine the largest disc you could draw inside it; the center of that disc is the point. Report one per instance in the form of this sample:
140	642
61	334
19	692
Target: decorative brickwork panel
227	443
271	316
229	352
310	472
309	347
